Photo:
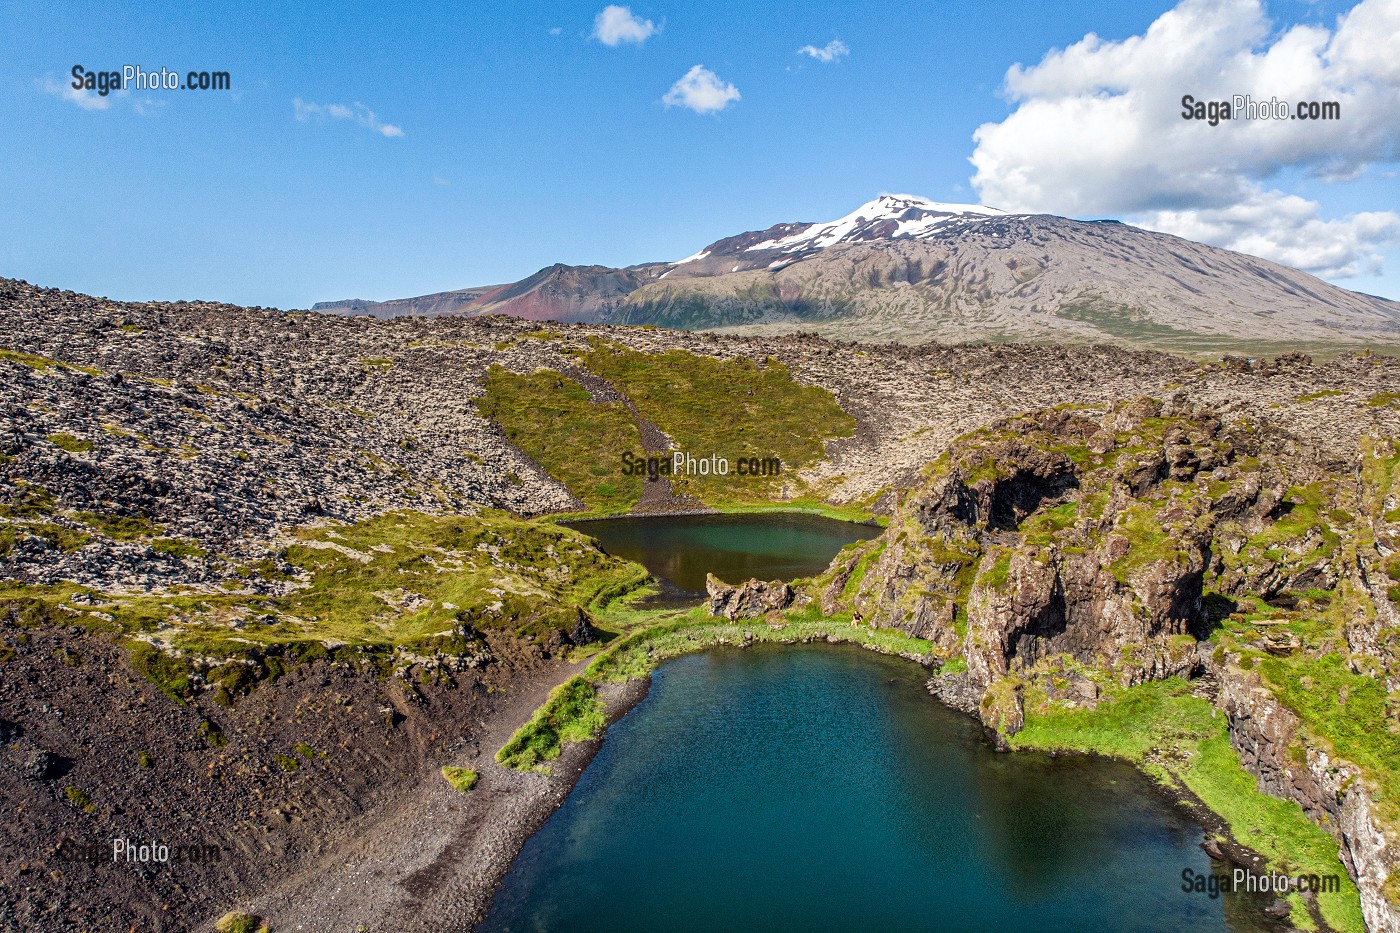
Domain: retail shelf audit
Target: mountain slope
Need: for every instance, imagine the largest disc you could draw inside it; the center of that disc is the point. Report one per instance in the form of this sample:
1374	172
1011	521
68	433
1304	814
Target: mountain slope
907	270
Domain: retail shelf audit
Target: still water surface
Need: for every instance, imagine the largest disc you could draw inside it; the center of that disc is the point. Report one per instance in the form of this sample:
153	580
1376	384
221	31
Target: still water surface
821	788
681	549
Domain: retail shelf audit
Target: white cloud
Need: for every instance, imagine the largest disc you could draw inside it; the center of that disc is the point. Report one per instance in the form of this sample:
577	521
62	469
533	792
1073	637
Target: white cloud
88	100
701	90
833	51
618	24
1287	229
361	114
439	180
1097	130
556	30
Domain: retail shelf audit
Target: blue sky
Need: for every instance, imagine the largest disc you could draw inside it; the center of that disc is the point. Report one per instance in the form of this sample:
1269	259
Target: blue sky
527	140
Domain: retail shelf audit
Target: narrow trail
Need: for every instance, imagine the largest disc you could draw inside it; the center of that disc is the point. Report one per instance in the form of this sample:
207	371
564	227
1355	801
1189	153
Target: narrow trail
657	495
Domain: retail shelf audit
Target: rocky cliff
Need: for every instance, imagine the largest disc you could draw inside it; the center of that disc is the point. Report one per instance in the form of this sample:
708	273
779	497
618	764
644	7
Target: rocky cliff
1084	548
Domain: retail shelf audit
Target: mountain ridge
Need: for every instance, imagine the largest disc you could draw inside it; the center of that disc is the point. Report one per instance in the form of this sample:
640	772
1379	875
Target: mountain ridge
903	269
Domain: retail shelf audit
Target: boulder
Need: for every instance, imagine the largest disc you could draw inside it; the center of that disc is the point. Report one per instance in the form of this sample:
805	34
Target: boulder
747	600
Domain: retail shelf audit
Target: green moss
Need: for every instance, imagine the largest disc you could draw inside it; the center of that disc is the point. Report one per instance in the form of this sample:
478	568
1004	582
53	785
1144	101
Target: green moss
579	442
1180	739
44	364
177	547
236	921
411	577
572	713
1044	525
287	763
1347	711
173	675
730	408
461	779
997	575
957	665
119	527
28	502
1314	396
1148	541
80	799
145	760
212	735
59	536
74	445
305	751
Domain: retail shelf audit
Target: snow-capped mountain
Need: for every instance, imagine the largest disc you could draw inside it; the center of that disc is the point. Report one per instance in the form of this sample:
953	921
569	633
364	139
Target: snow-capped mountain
906	269
888	217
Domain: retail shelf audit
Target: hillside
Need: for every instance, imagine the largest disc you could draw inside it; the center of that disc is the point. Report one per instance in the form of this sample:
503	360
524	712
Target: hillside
276	569
906	270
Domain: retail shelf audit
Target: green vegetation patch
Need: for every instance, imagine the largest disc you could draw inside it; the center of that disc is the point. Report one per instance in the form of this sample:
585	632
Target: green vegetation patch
119	527
79	798
236	921
173	675
58	536
178	547
409	578
403	580
70	443
44	364
578	441
736	409
1180	739
461	779
1148	541
1347	711
573	713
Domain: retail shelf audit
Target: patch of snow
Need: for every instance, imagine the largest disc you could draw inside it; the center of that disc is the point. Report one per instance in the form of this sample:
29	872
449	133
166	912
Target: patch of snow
695	258
885	207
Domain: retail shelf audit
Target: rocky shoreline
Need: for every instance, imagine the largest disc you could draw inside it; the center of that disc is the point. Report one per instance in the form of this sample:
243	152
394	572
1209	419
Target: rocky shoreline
433	860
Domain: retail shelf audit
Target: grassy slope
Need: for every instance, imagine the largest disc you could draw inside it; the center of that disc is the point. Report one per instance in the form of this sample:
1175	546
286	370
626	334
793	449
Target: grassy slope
576	440
733	408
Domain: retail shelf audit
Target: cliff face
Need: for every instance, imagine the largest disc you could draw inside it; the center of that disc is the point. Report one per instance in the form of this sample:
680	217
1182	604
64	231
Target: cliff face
1072	550
1332	792
1066	533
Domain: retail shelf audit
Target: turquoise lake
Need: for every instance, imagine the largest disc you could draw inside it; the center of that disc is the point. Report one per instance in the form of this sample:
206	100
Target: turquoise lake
821	788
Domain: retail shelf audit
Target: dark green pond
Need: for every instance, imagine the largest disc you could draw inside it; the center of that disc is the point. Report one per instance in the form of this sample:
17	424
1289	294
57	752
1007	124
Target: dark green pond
813	789
681	549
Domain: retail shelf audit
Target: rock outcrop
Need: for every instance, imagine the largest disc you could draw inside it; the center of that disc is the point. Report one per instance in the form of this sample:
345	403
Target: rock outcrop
748	600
